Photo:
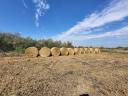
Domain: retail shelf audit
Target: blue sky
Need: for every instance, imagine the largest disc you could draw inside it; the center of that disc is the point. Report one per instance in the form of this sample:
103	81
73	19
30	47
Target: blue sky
82	22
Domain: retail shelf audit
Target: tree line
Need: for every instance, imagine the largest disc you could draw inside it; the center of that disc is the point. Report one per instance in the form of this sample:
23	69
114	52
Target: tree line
15	42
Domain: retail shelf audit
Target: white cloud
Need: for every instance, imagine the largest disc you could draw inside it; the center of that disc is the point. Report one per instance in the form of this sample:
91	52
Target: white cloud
41	7
24	4
117	10
116	33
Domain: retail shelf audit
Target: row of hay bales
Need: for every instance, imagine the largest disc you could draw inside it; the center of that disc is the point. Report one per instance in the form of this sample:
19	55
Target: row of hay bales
46	52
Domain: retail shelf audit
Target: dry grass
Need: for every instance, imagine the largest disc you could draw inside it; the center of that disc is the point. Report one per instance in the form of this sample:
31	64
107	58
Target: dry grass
94	74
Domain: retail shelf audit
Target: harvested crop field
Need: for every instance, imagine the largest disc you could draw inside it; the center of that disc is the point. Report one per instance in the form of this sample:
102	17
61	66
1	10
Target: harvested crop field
104	74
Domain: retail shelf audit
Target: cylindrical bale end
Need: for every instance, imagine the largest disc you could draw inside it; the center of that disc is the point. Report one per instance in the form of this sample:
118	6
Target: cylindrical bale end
91	50
99	50
31	52
55	51
45	52
71	51
63	51
82	50
77	51
85	50
96	50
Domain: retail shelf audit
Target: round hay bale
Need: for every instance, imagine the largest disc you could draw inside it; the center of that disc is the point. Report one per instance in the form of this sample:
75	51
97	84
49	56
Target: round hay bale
96	50
71	51
31	52
55	51
44	52
63	51
85	50
82	50
91	50
99	50
77	51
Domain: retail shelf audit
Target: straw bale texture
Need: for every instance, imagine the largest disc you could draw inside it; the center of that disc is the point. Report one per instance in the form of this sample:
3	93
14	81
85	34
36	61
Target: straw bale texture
44	52
96	50
71	51
86	50
91	50
82	50
63	51
77	51
55	51
31	52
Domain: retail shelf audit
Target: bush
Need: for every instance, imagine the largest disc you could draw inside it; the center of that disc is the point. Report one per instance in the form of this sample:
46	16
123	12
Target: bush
20	50
14	42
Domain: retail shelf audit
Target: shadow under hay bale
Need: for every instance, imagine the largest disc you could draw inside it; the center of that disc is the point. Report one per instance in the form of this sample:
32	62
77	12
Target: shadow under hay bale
55	51
84	95
31	52
44	52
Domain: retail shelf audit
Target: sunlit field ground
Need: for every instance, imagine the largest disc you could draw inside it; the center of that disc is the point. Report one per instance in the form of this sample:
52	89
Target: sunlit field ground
104	74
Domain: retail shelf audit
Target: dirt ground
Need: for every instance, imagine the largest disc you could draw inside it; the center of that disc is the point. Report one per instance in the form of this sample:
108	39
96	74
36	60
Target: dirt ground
102	74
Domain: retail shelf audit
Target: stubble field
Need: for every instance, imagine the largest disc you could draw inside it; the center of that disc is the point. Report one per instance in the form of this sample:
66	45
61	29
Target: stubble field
104	74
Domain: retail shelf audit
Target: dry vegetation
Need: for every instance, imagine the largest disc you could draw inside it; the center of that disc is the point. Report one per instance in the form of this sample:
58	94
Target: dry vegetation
104	74
45	52
31	52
